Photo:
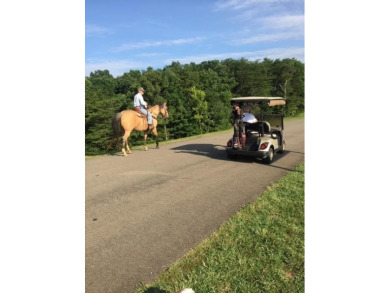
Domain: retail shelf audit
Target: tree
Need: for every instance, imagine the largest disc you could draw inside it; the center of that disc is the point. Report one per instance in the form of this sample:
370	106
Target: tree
288	83
198	95
101	104
199	106
103	82
151	80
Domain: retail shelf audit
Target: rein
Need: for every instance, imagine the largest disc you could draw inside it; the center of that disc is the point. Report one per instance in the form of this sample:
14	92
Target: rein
154	117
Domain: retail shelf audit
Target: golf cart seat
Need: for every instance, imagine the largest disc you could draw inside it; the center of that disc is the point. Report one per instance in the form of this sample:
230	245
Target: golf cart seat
255	128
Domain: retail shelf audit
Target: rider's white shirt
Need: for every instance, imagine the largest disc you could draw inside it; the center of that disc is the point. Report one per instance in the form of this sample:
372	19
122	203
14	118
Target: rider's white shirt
139	100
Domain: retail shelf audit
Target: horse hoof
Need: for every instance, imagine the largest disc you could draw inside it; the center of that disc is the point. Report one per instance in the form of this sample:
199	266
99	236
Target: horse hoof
146	149
157	147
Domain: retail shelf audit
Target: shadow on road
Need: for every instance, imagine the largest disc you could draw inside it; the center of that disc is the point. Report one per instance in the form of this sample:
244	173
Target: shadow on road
287	169
208	150
218	152
297	152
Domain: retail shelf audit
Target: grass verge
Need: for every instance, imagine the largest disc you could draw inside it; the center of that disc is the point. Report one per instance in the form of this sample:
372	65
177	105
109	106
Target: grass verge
259	249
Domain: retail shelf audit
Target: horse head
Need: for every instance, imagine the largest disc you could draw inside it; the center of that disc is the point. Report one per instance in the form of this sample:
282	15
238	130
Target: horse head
164	110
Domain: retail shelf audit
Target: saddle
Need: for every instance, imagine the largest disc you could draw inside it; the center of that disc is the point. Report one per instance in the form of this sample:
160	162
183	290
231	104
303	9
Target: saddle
138	111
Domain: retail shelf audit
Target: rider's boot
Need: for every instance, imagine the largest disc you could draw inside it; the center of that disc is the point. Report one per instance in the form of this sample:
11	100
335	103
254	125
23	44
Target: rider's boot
235	143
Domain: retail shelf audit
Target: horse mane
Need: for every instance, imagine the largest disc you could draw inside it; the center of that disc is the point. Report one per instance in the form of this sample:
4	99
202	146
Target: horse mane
159	107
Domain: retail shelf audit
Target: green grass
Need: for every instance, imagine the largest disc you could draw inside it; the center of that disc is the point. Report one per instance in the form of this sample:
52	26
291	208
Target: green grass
259	249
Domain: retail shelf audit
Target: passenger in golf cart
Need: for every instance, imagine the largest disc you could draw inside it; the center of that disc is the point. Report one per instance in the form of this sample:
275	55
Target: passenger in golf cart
236	117
239	120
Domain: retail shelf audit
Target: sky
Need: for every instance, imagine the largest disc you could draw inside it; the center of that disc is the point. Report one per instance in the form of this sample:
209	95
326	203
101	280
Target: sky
129	35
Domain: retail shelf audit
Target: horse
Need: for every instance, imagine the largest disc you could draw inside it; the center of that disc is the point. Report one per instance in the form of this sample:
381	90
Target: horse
129	120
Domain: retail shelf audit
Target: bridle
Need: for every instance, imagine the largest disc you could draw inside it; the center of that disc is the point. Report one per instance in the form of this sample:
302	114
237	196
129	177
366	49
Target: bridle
162	106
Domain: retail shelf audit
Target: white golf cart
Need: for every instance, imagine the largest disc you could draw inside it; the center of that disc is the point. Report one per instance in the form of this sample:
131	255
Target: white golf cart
260	137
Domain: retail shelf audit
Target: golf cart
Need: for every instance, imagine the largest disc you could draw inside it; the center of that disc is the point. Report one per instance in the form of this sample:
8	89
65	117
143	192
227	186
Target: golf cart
260	137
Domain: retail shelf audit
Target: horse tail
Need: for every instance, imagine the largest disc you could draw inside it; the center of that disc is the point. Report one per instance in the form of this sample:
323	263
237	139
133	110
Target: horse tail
116	124
117	129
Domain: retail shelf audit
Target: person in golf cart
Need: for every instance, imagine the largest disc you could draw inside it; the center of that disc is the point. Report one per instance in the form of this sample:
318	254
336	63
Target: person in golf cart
237	115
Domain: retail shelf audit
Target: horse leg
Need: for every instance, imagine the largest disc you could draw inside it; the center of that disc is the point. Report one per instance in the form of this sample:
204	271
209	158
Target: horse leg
127	148
156	135
125	137
145	136
127	144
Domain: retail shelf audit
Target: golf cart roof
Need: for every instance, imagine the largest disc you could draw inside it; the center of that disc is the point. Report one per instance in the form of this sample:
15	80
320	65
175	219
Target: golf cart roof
272	101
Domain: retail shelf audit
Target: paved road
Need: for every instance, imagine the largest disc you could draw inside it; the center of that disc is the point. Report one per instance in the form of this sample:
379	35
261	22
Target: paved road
145	211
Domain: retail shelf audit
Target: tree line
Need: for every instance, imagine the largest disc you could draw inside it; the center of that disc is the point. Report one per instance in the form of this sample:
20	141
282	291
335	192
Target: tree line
197	95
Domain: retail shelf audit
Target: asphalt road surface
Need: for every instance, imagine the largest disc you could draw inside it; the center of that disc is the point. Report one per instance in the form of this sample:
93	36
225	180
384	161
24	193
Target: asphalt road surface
145	211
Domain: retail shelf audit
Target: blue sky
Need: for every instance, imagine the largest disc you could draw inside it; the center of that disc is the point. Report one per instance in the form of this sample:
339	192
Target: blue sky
127	35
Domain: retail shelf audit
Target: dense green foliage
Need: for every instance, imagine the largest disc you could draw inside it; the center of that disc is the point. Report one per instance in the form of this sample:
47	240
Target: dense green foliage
197	95
259	249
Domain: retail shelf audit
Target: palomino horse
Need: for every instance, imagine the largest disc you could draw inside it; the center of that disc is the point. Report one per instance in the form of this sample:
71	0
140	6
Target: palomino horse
129	120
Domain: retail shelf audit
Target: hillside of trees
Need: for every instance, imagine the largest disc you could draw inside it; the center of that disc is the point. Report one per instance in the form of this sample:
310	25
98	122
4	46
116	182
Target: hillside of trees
197	95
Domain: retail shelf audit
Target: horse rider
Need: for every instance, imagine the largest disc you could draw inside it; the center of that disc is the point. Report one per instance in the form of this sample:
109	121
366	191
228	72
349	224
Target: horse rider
142	105
236	118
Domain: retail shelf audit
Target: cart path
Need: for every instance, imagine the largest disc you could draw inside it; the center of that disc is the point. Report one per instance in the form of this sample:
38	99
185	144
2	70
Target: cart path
145	211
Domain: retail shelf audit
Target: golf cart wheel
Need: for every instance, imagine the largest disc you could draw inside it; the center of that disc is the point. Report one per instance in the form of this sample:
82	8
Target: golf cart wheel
283	148
270	156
